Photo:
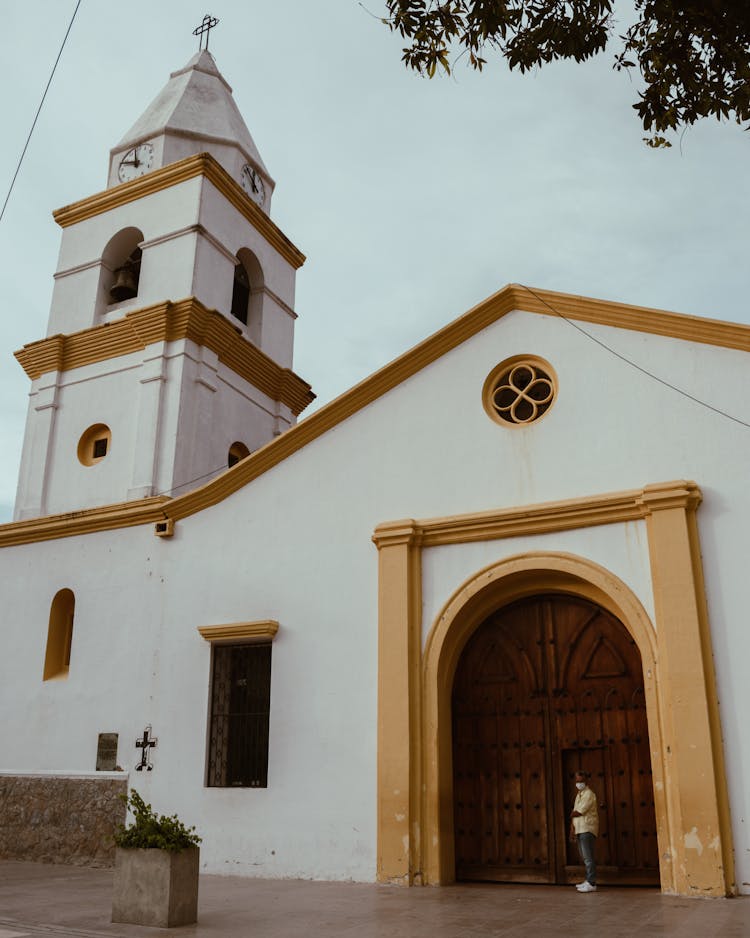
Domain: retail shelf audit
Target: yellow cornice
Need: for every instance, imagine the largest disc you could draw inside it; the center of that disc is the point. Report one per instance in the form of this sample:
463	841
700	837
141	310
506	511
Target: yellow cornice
261	631
634	318
405	531
86	521
683	495
592	510
185	319
202	164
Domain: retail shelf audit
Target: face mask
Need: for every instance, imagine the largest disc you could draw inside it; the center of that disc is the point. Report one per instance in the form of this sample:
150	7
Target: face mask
580	785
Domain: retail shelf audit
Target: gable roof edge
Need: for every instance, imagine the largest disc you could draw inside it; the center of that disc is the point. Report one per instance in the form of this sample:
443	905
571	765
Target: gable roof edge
635	318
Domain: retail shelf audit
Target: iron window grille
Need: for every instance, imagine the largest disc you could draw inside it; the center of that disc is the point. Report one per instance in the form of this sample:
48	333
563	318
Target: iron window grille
240	707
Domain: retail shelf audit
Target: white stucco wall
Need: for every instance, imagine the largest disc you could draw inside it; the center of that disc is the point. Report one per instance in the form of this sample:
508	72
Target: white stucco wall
621	548
173	410
295	546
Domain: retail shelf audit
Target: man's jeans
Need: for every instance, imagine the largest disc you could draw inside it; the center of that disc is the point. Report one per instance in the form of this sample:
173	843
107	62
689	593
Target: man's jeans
586	846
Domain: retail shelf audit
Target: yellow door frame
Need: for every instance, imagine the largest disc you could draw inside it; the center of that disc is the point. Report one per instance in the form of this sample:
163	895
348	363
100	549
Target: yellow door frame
415	800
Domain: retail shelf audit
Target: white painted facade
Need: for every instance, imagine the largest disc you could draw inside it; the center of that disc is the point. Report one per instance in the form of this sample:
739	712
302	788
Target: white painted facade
294	545
174	411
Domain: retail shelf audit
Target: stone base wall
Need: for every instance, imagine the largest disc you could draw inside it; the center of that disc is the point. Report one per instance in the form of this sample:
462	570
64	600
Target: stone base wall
58	819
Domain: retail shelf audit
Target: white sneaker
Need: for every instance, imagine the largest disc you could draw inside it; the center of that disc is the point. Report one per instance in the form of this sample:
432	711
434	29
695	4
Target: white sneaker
586	887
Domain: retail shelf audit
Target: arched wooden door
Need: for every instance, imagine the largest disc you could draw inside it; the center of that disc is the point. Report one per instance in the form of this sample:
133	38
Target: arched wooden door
544	687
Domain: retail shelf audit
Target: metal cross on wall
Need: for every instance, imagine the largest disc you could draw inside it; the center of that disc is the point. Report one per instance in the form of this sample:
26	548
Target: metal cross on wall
205	27
145	743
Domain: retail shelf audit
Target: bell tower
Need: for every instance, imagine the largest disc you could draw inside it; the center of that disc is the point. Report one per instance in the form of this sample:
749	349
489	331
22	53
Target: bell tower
169	347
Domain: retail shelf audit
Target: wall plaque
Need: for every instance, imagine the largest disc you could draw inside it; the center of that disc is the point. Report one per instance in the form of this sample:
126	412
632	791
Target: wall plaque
106	752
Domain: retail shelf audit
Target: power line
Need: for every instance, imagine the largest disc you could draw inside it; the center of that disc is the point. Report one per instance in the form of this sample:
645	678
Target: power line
190	481
633	364
222	468
38	110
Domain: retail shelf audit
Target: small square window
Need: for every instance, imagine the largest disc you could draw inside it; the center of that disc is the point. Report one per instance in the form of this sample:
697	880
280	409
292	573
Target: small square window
100	448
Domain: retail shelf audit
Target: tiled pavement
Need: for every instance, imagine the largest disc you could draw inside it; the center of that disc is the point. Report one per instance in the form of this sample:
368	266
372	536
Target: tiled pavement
68	902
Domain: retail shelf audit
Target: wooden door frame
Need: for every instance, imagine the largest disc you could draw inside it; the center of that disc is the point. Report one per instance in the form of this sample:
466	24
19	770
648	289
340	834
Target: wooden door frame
415	797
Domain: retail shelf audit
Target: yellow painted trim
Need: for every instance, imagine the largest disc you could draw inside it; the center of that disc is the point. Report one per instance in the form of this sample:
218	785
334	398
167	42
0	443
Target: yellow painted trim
589	511
415	807
634	318
492	381
701	845
262	631
201	164
399	702
168	322
511	297
87	521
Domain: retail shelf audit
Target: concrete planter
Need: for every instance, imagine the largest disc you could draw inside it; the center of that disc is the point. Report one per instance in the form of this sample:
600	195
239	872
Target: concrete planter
155	887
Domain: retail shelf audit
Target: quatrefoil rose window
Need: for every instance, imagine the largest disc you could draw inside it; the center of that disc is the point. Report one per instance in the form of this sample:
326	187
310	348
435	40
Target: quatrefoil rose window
520	390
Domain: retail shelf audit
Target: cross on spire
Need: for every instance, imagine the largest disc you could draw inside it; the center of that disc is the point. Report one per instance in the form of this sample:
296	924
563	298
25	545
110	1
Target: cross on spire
205	27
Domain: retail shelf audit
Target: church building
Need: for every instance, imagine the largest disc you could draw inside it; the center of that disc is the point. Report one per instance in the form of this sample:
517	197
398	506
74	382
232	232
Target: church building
376	642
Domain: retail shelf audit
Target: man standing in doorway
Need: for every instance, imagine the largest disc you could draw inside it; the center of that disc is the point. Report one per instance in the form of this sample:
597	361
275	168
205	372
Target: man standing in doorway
584	827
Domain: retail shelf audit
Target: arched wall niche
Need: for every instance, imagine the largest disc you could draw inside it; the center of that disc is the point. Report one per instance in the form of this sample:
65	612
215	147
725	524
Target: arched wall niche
59	635
237	452
120	270
247	293
485	592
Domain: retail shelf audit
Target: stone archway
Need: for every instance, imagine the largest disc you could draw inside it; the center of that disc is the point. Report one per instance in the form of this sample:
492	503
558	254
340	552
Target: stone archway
414	781
517	578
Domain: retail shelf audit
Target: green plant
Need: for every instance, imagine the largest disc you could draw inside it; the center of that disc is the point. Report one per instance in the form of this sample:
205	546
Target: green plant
153	831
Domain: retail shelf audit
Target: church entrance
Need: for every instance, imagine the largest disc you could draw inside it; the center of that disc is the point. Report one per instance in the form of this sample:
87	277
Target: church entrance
544	687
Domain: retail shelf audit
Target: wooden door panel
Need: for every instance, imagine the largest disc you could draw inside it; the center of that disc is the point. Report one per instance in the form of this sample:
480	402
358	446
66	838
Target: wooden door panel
543	687
500	775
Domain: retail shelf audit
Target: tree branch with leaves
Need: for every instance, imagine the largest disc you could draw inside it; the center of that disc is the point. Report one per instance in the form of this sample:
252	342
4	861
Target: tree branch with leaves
693	55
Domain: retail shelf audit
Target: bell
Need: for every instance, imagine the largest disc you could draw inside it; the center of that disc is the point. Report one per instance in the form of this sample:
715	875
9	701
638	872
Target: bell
124	286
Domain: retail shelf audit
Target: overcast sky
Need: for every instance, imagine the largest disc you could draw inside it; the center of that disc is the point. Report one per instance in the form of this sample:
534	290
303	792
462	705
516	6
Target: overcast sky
412	199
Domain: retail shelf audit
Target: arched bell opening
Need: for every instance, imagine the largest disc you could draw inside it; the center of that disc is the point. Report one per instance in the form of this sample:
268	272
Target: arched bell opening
247	293
120	270
240	293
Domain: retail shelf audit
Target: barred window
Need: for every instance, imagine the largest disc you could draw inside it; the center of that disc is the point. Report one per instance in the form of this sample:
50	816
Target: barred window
240	705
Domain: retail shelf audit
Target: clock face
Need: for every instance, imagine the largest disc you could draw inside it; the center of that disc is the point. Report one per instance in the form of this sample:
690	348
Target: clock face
253	184
136	162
